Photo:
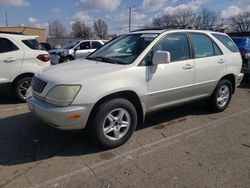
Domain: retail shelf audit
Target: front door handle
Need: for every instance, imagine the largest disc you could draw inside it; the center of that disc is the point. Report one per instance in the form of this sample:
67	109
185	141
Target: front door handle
221	61
9	60
188	66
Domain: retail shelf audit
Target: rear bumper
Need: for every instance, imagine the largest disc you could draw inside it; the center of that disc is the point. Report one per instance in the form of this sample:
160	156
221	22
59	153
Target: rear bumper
238	79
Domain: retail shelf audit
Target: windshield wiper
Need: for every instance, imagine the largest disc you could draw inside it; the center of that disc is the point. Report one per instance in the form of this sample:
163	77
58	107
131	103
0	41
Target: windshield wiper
103	59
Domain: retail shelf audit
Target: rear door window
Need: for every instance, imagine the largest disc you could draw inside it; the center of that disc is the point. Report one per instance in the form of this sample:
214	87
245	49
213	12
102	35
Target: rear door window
7	46
33	44
227	41
203	46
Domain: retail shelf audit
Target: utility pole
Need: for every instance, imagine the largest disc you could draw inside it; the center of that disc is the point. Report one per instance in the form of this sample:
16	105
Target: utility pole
49	30
129	21
6	19
130	18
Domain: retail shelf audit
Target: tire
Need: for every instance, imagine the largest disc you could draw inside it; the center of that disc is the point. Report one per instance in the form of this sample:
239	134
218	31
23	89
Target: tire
221	96
106	117
21	87
66	59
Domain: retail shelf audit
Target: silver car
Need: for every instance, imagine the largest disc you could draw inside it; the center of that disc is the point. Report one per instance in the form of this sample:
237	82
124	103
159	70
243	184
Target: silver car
75	50
112	90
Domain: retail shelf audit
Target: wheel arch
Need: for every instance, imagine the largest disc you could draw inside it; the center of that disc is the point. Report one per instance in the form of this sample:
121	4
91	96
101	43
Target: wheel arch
129	95
231	78
23	75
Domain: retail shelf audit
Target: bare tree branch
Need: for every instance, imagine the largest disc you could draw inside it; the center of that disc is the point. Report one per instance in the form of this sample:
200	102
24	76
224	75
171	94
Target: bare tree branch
57	29
101	29
80	30
241	22
206	19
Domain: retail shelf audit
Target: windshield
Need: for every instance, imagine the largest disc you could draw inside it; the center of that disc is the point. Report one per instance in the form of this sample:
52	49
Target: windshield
124	49
70	45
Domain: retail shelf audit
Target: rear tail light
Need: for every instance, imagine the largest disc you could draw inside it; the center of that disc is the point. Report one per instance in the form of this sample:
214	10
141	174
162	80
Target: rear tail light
43	57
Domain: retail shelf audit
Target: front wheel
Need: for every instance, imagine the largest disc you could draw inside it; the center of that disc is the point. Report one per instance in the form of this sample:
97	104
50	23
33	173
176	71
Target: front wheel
66	59
221	96
113	123
21	88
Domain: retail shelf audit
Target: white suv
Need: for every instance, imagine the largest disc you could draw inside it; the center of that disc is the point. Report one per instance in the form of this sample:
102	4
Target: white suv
20	58
112	90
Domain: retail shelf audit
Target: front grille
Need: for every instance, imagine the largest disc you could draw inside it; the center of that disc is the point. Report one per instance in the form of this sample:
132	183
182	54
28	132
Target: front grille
38	85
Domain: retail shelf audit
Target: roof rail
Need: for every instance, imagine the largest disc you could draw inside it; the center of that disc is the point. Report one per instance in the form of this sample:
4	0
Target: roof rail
10	32
147	29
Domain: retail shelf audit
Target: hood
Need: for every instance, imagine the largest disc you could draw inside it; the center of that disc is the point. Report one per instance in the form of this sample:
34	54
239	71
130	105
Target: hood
77	71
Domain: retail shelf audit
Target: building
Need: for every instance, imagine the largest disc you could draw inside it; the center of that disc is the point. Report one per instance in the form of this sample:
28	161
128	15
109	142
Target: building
41	33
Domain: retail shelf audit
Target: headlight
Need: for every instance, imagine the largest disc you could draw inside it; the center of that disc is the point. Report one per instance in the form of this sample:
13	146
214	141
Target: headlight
62	95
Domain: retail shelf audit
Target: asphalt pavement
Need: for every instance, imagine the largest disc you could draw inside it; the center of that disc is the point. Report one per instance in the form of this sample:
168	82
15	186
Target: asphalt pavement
186	146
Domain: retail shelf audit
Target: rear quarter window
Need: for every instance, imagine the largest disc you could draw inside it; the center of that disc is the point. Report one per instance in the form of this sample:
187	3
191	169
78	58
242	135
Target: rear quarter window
227	41
33	44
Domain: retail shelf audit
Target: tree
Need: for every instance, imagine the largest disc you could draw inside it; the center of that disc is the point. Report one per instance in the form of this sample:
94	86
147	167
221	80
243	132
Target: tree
165	22
80	30
101	29
57	29
241	22
184	17
205	19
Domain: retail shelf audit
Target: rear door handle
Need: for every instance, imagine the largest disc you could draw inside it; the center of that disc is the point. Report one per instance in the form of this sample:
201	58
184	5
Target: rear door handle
188	66
9	60
221	61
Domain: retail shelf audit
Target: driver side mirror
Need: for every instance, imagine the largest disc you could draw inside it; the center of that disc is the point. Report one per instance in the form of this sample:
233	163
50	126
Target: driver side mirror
161	57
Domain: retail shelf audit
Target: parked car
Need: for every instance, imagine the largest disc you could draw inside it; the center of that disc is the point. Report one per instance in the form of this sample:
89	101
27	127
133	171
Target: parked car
110	92
75	50
46	46
243	43
20	57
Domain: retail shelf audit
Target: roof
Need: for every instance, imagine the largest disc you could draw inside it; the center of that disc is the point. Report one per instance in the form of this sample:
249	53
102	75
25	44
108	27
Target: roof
18	36
159	31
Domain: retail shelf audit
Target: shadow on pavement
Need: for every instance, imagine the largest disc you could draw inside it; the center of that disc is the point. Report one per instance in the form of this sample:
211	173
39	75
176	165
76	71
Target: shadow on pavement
25	139
245	84
8	98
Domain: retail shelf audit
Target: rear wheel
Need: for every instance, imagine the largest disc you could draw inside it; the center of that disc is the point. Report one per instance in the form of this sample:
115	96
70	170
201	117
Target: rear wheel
221	96
113	123
21	87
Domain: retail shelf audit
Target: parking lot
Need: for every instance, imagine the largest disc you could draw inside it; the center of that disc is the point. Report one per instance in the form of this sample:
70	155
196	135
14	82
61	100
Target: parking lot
182	147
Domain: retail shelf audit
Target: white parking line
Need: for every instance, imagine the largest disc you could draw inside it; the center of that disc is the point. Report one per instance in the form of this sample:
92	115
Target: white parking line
143	150
14	108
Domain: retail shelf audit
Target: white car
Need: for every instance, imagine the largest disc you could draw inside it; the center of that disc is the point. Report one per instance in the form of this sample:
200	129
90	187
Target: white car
20	58
110	92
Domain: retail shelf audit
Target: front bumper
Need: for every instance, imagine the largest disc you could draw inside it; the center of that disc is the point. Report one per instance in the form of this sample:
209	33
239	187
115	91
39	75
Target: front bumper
65	118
